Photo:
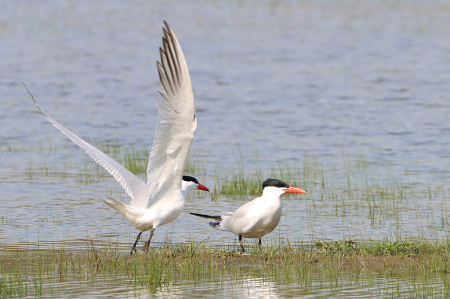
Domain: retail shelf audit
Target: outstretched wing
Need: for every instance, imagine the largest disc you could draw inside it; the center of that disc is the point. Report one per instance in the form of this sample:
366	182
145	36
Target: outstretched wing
134	186
176	130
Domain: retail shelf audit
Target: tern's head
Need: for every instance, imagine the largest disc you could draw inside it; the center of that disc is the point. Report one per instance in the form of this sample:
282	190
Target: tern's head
279	187
190	183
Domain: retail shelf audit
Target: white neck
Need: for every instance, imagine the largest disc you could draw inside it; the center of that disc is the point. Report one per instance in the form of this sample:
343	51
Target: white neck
186	187
273	192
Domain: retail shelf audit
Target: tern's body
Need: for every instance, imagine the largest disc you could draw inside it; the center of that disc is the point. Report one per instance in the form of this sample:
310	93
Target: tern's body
147	219
162	212
258	217
161	200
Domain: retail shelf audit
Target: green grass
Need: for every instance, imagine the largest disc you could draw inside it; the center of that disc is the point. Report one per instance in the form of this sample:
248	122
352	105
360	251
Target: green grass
346	186
341	187
352	185
302	269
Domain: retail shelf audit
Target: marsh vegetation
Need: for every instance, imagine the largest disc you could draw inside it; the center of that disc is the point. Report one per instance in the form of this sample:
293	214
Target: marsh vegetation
408	266
406	269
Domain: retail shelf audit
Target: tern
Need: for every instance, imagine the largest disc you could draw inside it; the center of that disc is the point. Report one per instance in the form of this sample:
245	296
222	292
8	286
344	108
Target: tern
162	199
258	217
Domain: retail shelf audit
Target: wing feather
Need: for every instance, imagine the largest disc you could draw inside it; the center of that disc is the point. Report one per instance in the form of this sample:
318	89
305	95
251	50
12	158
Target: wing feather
173	54
176	130
170	58
134	186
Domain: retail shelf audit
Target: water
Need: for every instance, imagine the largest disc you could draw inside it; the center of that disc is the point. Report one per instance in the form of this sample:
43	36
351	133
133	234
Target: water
273	81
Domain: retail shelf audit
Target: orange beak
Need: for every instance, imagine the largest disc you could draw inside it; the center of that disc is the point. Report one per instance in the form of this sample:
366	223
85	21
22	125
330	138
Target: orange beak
202	187
293	189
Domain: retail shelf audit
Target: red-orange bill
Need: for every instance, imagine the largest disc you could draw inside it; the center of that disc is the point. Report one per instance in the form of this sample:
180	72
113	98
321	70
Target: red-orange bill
202	187
293	189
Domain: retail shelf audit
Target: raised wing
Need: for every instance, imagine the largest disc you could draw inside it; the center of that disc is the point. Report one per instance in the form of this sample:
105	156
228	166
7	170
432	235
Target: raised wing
176	130
134	186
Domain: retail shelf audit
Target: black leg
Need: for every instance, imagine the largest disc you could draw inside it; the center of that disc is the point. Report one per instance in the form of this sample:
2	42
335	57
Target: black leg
133	249
147	244
259	243
240	242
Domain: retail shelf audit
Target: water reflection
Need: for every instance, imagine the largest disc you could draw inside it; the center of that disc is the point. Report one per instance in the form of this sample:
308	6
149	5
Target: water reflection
364	286
226	287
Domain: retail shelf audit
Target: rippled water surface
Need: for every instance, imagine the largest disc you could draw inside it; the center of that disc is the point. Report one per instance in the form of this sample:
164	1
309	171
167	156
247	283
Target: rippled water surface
357	90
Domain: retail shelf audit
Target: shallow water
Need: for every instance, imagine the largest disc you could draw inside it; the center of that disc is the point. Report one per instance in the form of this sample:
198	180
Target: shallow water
362	284
274	81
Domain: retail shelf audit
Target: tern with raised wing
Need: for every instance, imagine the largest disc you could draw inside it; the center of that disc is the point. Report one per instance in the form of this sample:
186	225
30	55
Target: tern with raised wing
162	199
258	217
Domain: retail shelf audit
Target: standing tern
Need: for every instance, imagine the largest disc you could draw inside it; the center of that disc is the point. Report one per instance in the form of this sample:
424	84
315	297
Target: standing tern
162	199
258	217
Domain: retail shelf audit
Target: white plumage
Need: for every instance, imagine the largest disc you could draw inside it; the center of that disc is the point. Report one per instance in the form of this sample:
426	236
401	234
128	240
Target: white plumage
258	217
161	200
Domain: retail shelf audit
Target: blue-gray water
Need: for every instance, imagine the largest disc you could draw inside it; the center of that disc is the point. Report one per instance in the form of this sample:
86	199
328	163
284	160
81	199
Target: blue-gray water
273	81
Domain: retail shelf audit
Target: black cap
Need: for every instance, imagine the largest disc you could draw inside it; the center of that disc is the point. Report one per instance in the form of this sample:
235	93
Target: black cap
188	178
274	183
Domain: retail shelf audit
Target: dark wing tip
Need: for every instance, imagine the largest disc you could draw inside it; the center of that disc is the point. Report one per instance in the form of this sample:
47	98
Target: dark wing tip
167	25
219	218
166	33
31	95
